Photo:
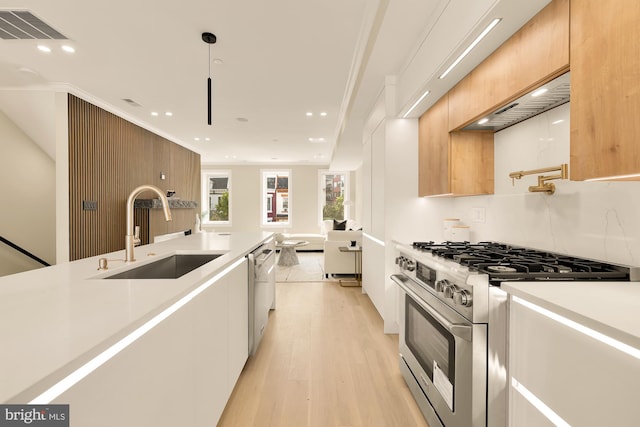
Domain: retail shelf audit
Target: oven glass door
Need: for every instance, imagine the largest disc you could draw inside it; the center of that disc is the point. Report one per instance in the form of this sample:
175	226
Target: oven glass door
429	341
433	346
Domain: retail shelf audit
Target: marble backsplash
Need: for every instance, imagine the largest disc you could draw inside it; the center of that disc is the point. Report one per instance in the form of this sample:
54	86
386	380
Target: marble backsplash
597	220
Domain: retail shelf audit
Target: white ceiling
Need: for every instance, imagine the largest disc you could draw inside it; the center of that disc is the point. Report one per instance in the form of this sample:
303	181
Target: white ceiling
280	60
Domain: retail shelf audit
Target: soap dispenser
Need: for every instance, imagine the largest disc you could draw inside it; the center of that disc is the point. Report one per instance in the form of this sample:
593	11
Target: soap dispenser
198	227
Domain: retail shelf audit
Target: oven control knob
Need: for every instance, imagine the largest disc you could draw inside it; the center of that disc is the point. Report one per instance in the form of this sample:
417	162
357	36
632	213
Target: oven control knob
449	290
462	297
410	265
441	284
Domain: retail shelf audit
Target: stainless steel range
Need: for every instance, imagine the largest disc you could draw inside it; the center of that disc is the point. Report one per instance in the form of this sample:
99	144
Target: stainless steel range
453	322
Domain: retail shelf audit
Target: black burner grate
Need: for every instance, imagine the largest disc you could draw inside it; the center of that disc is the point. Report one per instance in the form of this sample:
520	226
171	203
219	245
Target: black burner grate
504	262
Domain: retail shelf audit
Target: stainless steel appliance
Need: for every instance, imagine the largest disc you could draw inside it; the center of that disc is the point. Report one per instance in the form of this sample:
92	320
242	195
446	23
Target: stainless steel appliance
453	322
262	291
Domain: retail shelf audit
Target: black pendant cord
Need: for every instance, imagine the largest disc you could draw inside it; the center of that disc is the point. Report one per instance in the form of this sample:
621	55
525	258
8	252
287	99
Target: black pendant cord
209	91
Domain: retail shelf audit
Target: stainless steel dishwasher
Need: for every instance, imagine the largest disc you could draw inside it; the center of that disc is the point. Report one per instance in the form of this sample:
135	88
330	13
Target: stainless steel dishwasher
262	291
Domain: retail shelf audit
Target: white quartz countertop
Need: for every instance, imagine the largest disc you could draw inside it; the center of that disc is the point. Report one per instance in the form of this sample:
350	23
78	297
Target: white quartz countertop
611	308
54	319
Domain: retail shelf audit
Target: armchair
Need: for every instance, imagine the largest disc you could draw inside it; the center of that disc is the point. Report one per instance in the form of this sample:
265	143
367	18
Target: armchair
336	262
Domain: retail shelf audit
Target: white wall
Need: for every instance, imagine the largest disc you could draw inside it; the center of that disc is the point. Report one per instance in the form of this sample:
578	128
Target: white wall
27	217
246	198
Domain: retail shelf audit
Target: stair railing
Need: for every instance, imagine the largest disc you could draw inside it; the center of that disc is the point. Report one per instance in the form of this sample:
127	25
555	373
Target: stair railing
24	251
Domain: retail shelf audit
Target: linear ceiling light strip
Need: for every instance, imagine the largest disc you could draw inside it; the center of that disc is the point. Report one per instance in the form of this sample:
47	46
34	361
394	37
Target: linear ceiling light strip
471	46
405	115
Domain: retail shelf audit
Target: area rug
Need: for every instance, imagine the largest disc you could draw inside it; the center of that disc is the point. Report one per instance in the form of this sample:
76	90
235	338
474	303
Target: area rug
309	269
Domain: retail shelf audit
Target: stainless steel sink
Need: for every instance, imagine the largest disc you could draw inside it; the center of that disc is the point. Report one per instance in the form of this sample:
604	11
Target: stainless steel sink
171	267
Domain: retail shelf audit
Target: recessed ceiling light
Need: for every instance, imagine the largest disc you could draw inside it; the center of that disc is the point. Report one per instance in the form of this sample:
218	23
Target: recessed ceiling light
154	113
168	114
309	114
43	48
483	121
207	139
68	48
557	122
196	139
323	114
316	140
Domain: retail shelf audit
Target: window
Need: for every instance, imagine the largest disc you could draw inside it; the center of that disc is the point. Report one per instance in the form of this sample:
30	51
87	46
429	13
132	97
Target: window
276	197
216	199
333	190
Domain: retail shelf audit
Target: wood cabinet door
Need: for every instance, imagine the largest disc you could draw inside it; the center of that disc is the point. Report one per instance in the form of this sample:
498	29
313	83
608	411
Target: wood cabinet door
471	163
605	88
433	150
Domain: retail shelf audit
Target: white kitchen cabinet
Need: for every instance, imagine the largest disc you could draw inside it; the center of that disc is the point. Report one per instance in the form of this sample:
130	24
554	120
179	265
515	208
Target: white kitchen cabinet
558	370
181	372
238	326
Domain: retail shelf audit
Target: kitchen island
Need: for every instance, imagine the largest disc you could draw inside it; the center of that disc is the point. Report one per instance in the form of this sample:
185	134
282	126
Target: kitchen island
129	351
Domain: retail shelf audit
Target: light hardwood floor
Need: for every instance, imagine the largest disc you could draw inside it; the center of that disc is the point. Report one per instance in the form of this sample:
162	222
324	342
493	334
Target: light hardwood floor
324	361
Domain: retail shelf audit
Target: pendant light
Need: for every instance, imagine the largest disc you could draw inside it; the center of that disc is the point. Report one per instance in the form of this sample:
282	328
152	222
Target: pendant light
210	39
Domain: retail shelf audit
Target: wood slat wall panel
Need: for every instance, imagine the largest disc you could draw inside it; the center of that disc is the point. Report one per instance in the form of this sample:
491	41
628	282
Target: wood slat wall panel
108	158
141	218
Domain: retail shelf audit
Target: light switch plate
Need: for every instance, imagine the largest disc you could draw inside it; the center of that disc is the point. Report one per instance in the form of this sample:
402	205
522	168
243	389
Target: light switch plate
89	205
478	215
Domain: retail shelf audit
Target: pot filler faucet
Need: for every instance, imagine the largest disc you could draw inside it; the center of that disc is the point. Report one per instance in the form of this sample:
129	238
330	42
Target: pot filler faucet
129	237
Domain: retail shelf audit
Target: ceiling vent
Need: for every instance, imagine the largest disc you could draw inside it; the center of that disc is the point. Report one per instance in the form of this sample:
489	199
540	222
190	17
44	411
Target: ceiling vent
23	25
131	102
527	106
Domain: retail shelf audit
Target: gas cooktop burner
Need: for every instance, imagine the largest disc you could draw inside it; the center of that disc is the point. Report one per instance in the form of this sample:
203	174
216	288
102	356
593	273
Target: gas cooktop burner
504	262
500	269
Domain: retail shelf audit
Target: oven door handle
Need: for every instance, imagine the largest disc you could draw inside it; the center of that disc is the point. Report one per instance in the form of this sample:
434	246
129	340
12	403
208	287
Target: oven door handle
459	330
